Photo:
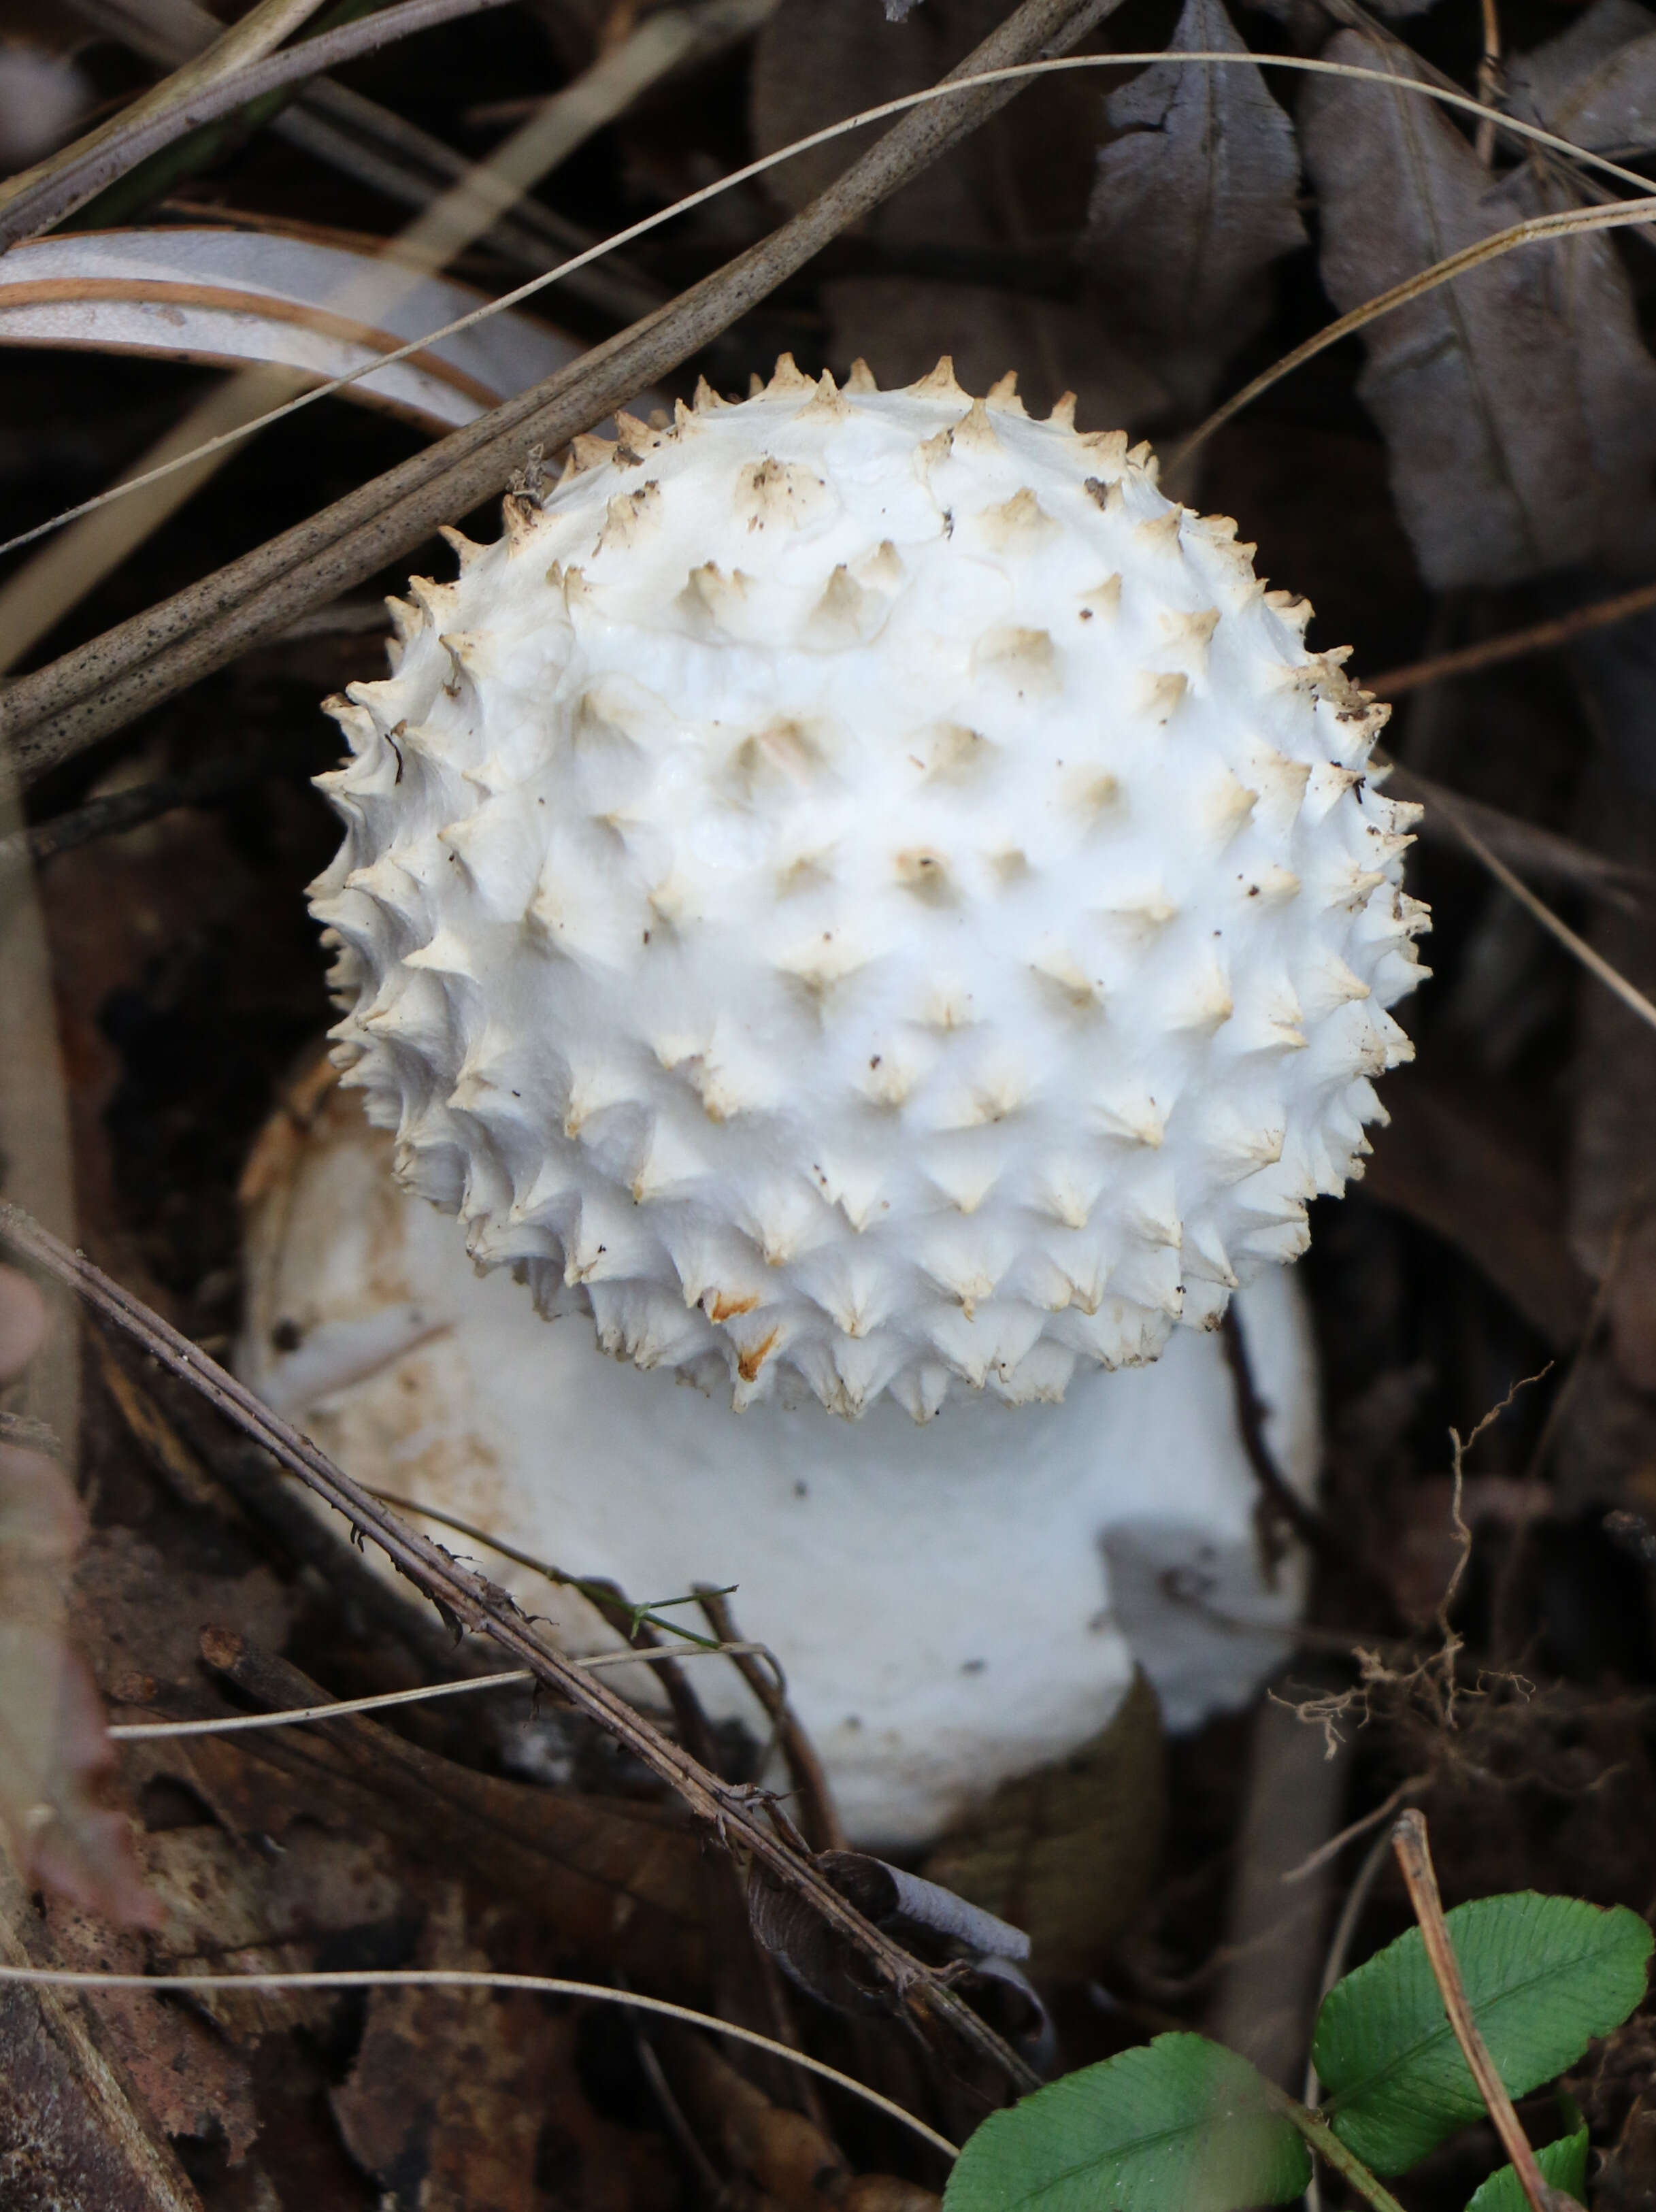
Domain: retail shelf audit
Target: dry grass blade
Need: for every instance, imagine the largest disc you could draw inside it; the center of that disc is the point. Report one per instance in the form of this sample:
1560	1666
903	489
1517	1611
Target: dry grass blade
1566	223
56	713
472	182
79	173
226	297
1590	957
48	183
1533	850
459	1978
386	289
345	130
472	1602
148	1731
161	1731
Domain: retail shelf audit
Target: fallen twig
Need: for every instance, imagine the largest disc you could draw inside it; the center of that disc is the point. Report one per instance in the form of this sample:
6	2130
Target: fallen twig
469	1602
1415	1859
264	27
818	1817
61	709
1516	645
69	180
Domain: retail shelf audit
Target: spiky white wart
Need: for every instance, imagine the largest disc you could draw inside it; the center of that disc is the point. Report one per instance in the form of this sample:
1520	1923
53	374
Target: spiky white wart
859	887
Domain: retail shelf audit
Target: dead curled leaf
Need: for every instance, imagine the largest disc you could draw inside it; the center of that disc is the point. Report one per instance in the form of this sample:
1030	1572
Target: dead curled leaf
54	1745
619	1882
1595	84
191	2082
1192	202
226	296
1518	403
1067	1853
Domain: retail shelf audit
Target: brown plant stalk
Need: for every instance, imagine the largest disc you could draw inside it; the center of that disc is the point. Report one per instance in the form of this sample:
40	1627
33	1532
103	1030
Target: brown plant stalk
1415	1859
61	709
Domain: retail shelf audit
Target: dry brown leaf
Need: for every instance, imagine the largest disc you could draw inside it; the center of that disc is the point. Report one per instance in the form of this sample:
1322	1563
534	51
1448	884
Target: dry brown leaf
140	1617
787	2154
234	1908
54	1745
1067	1853
1013	191
1595	82
885	2192
620	1883
1461	1163
1519	402
191	2083
1193	201
73	2131
467	2100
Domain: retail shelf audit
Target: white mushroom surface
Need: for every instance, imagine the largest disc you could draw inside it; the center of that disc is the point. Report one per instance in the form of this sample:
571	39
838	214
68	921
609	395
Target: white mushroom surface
858	887
857	897
954	1604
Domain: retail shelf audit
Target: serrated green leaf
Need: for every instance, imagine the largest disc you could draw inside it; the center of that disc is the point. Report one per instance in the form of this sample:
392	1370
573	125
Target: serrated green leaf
1563	2165
1544	1976
1181	2123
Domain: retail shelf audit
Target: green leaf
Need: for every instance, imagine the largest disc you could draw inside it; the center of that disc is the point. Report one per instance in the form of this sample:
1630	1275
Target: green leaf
1543	1975
1181	2123
1563	2165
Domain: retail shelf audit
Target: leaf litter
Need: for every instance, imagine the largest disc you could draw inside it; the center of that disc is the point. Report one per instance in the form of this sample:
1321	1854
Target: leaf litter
1517	403
1140	240
1596	82
1195	196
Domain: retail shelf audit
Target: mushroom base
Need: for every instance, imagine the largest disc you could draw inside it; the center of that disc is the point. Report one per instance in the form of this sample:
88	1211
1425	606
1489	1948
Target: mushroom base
954	1604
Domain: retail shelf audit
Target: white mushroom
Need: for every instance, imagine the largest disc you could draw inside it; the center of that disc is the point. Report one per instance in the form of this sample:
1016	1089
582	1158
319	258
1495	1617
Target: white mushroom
868	900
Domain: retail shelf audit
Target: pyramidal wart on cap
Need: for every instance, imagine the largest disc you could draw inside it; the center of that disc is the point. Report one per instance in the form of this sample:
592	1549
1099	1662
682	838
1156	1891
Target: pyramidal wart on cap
866	899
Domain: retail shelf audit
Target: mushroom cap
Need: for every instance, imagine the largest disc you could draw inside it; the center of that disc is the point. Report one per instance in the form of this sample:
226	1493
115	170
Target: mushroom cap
861	892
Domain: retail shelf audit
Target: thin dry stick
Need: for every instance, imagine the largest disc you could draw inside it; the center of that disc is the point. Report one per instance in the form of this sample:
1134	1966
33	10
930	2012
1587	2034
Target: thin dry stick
1444	93
60	709
1590	957
1415	1857
208	780
1541	854
262	28
447	1977
1359	1827
1540	637
76	175
474	1604
34	599
1323	2140
342	128
819	1817
604	1595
